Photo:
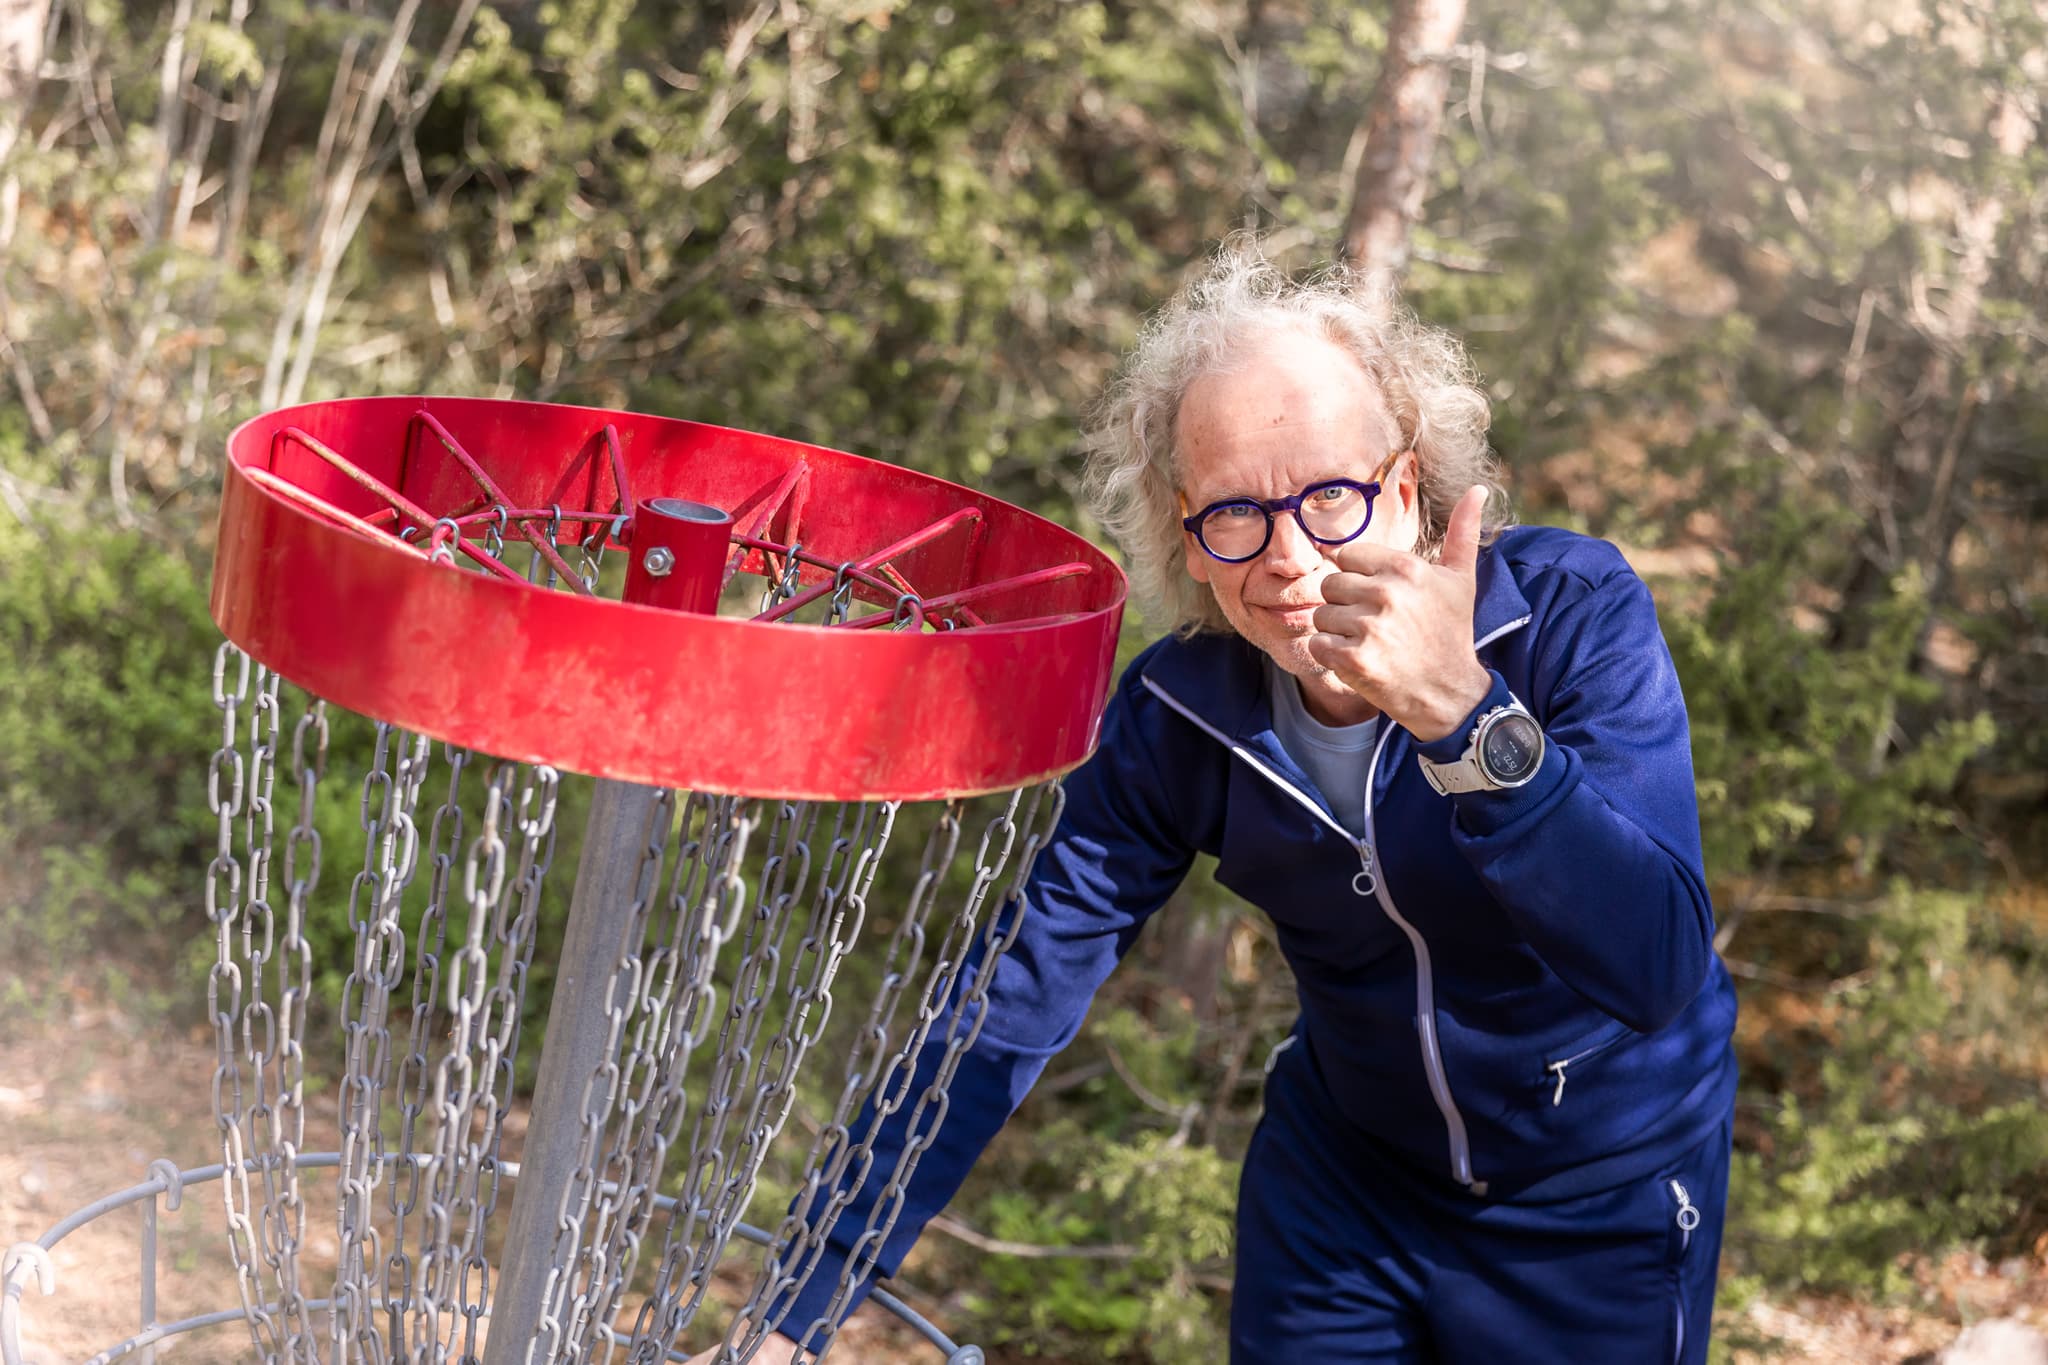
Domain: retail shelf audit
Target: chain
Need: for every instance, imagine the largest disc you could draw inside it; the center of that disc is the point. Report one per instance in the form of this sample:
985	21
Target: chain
706	901
276	1123
514	934
590	550
728	952
841	604
714	1169
785	585
390	857
539	569
224	985
295	956
964	1026
262	1120
801	1240
721	1176
703	912
582	1253
444	850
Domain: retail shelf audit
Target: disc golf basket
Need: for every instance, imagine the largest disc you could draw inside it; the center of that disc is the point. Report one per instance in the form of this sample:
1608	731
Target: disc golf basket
438	612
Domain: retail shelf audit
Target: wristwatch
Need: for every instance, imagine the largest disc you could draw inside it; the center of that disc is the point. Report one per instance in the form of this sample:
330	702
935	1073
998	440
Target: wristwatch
1505	750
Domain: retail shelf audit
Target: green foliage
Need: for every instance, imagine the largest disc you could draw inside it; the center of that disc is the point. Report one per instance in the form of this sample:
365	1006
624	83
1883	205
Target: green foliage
1052	1307
104	719
1792	731
1917	1132
1164	1208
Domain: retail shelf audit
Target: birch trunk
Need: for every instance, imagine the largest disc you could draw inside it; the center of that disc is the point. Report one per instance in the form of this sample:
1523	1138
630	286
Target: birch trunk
1401	125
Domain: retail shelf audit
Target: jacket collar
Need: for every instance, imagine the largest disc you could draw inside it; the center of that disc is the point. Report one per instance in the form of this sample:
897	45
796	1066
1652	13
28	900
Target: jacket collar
1221	677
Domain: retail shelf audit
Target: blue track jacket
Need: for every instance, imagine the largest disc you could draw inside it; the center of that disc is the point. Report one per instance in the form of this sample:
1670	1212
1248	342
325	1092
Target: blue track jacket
1515	991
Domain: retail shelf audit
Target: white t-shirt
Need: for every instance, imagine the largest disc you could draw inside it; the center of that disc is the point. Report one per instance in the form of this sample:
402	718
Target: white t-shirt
1336	757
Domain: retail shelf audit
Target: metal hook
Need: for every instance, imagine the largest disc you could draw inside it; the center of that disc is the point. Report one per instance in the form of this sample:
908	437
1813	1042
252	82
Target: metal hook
842	593
33	1254
166	1170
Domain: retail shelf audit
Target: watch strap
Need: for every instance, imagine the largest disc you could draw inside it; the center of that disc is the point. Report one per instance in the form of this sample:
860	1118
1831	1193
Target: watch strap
1462	775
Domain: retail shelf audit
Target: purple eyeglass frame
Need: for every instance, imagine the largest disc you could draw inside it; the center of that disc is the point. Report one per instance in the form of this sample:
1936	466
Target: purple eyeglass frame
1292	503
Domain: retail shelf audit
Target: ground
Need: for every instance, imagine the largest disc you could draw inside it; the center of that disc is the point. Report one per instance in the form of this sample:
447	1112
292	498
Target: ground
93	1087
92	1091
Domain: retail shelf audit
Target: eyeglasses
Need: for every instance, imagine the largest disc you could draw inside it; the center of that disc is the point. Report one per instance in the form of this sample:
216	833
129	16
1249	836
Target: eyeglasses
1329	513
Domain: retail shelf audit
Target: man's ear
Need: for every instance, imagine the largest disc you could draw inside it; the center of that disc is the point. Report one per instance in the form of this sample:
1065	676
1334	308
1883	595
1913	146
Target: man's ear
1197	559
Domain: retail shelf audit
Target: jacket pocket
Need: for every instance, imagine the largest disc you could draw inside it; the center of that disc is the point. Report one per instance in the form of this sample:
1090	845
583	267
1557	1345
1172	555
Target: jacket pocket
1559	1068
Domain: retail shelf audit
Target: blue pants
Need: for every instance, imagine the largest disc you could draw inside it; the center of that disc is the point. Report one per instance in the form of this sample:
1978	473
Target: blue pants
1342	1257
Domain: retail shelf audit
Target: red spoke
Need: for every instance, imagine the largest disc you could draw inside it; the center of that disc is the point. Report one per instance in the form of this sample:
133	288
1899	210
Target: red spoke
313	502
1014	583
966	516
625	503
359	476
786	487
471	518
497	496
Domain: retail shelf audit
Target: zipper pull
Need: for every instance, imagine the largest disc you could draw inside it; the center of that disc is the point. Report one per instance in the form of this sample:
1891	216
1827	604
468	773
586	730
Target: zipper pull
1558	1098
1363	882
1688	1216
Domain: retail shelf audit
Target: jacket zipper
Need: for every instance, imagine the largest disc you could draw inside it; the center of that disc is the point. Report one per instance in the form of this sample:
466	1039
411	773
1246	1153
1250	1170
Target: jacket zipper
1367	882
1425	995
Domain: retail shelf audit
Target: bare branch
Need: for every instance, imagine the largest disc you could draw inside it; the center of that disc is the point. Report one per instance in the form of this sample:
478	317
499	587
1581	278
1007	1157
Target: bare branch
1115	1251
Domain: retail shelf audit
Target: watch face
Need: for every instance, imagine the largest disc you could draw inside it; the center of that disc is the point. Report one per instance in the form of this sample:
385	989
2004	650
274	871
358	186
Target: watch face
1511	749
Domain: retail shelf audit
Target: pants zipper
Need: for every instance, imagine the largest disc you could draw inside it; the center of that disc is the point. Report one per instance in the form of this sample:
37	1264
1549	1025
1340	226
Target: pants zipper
1688	1219
1688	1216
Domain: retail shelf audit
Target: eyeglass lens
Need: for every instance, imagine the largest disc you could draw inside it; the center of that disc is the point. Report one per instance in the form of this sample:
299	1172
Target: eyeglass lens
1331	513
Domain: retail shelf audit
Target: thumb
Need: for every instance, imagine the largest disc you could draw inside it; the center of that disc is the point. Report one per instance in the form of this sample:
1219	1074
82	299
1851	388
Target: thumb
1461	537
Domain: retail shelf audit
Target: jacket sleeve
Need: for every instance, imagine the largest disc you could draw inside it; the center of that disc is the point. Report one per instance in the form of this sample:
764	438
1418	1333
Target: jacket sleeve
1597	859
1118	853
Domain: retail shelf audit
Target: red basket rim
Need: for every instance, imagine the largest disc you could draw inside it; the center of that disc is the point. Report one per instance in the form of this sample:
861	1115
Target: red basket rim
313	580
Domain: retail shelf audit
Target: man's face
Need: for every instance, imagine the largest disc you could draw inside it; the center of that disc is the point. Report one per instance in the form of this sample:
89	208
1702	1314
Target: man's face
1298	411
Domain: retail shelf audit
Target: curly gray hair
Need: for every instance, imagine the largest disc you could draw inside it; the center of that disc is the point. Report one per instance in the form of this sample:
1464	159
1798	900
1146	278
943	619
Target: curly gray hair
1422	373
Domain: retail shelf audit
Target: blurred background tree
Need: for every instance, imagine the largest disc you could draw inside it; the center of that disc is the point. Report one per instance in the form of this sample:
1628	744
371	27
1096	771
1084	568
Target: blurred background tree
1756	290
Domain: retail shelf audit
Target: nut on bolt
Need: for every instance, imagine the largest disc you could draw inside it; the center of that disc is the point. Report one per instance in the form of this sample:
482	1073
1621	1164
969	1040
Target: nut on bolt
659	561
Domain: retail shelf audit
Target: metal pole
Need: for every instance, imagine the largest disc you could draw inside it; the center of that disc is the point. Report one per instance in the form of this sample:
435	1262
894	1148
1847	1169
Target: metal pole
678	562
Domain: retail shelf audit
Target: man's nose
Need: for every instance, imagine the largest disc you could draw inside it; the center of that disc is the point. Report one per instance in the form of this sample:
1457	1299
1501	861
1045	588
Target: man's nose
1291	552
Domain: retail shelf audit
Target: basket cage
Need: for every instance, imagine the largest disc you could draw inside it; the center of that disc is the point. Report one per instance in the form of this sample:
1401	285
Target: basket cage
760	986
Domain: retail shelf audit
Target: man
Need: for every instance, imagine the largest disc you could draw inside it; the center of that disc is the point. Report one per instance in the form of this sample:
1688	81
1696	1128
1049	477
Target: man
1451	762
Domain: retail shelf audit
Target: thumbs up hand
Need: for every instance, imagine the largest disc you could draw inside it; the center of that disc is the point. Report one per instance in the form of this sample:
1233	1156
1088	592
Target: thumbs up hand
1397	629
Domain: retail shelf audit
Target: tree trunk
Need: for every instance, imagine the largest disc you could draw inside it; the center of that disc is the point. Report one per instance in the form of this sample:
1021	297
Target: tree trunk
1400	135
22	25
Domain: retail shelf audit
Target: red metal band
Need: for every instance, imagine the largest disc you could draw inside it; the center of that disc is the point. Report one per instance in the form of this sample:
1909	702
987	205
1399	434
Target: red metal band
318	585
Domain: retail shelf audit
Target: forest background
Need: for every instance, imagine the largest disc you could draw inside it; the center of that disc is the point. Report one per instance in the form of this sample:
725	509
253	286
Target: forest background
1757	291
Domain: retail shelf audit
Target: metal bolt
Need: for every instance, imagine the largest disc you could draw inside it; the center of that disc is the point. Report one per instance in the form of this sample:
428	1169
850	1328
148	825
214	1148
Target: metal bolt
659	561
